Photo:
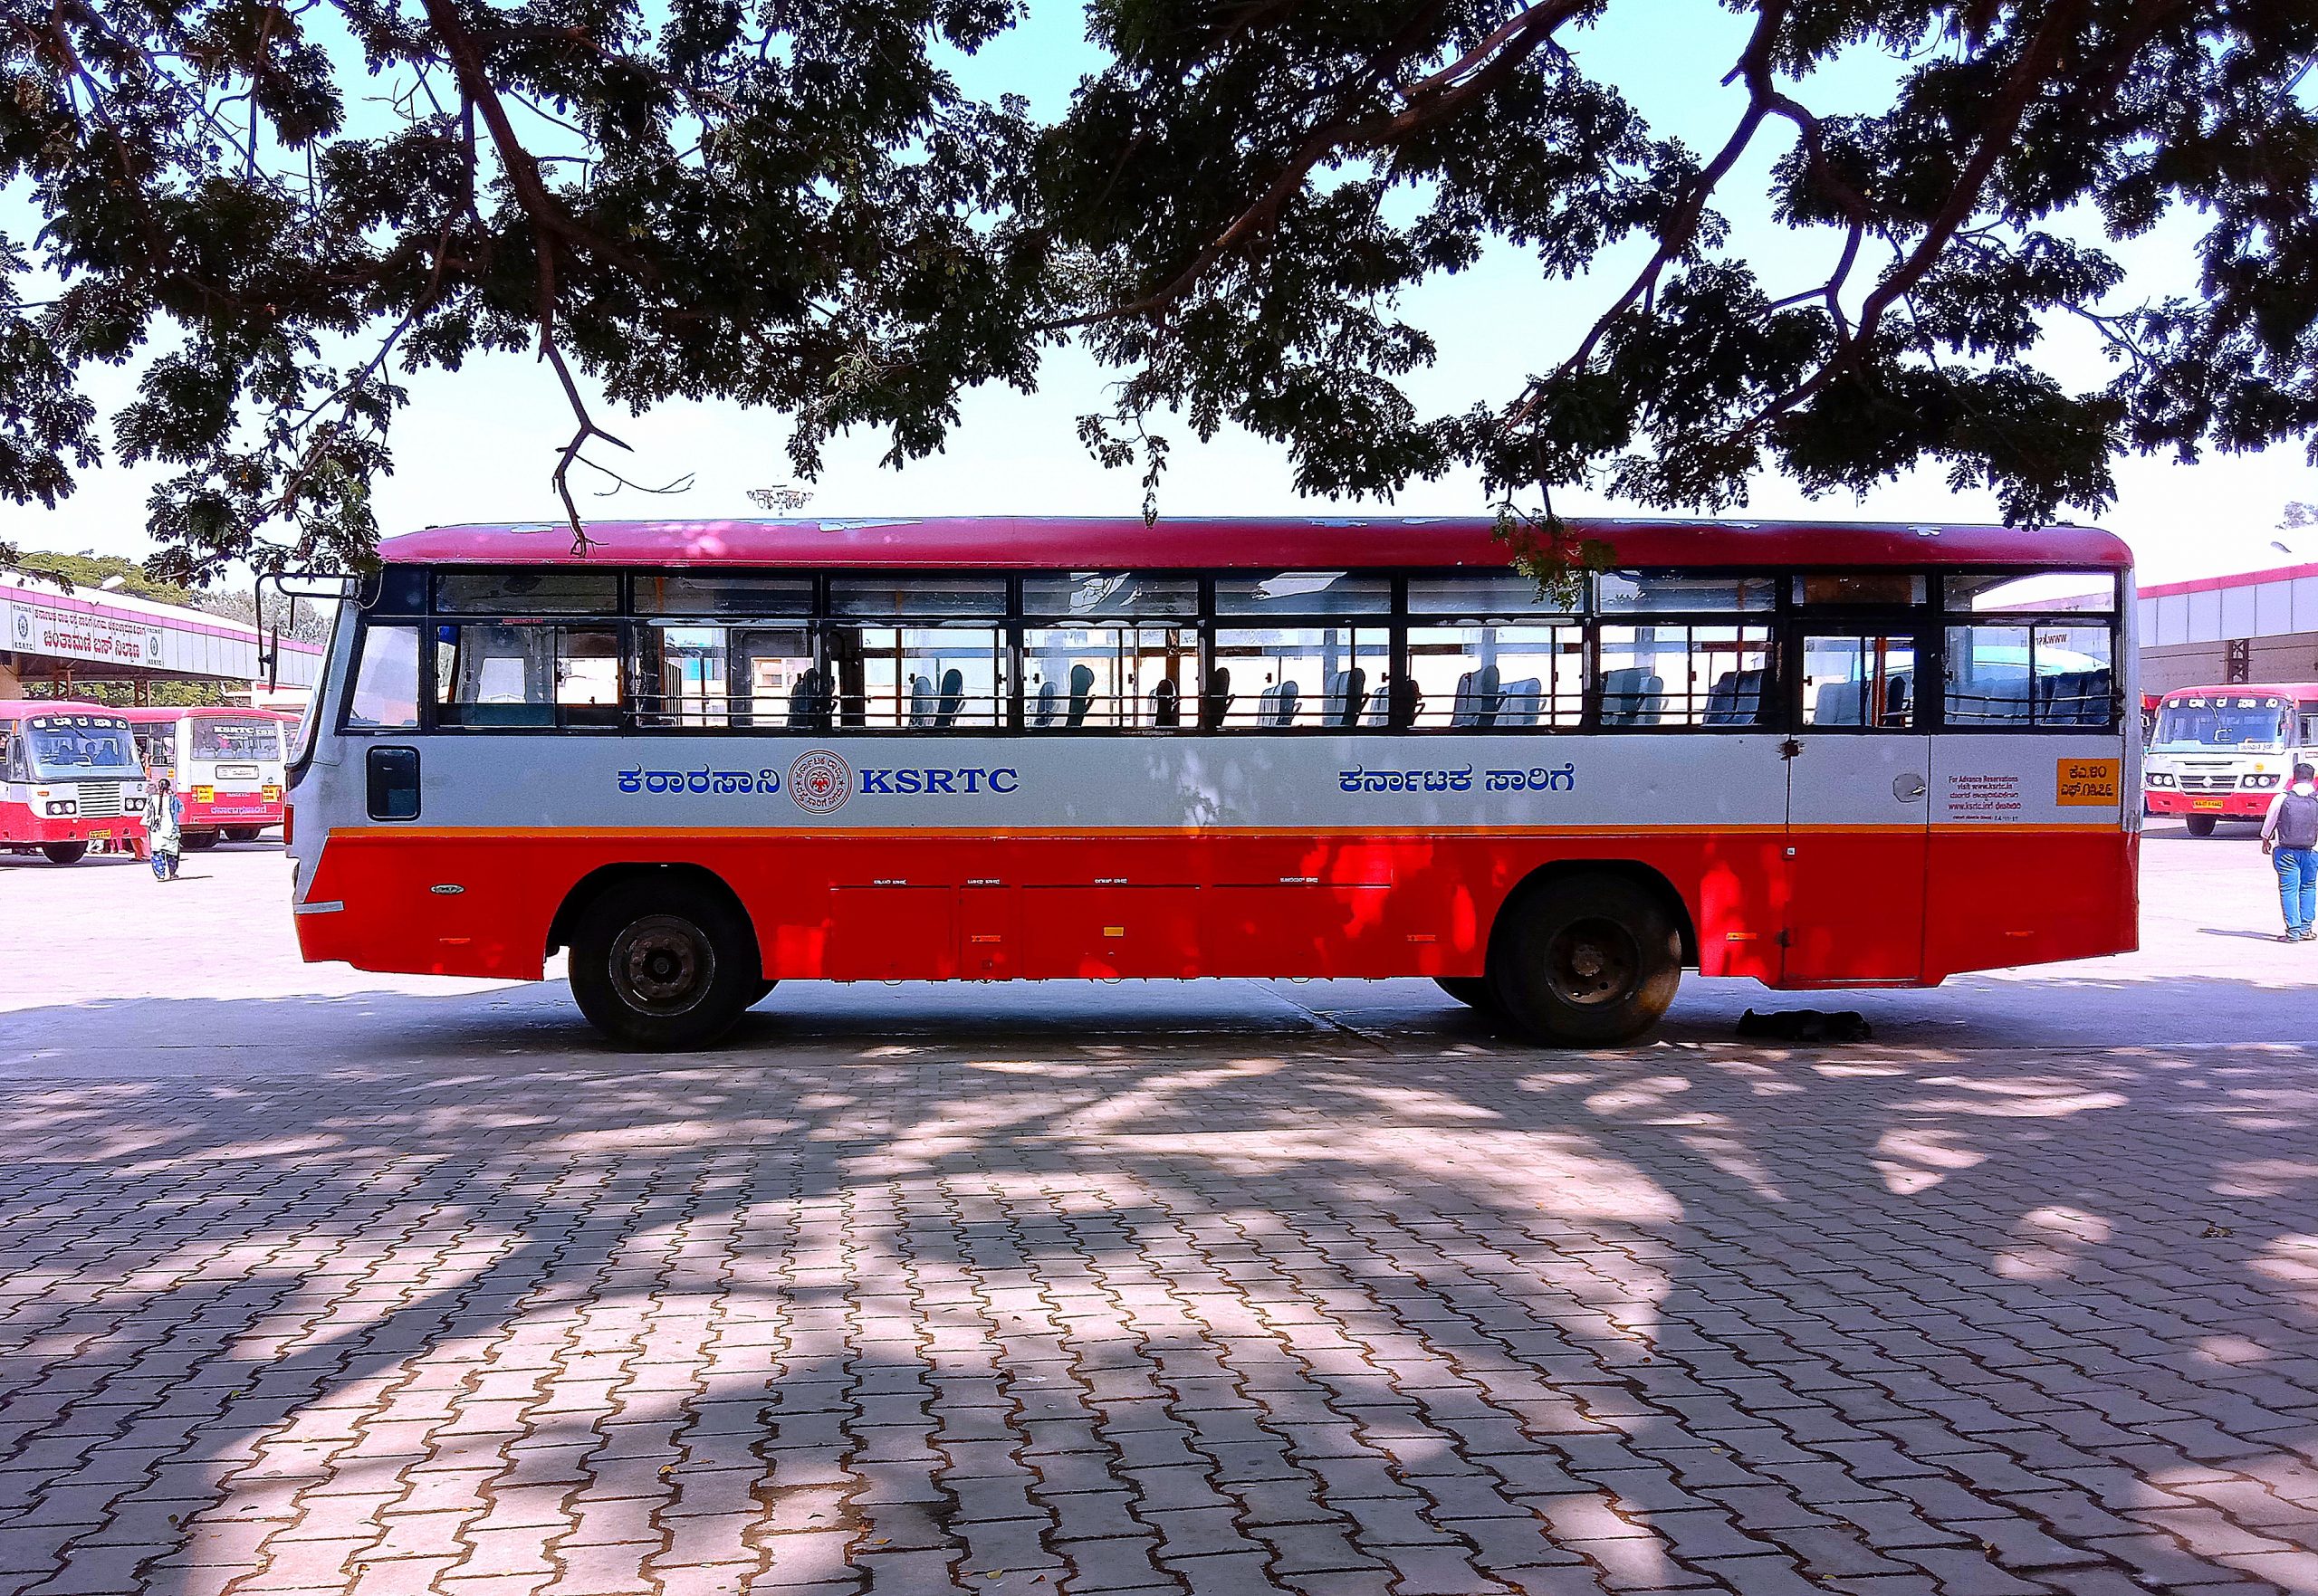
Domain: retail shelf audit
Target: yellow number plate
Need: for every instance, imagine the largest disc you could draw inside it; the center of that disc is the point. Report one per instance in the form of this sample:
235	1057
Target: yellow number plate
2086	782
2207	804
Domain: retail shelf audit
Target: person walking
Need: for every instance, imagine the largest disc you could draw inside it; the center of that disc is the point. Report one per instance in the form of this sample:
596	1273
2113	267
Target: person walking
163	810
2290	837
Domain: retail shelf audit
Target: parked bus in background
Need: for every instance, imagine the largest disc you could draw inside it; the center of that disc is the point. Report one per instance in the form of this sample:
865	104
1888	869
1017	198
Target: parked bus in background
68	778
706	757
2222	754
226	763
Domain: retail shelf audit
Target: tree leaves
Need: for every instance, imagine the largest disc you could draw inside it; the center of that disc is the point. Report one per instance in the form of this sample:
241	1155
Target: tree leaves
284	210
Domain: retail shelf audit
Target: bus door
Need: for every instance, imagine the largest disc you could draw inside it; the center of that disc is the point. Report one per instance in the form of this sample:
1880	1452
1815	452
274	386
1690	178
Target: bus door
1858	805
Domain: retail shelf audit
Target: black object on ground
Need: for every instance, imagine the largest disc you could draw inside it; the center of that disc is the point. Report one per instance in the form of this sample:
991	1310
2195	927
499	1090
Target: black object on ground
1807	1025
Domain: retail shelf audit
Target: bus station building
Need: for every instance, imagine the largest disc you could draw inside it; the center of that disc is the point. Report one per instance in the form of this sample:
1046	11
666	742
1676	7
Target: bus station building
54	636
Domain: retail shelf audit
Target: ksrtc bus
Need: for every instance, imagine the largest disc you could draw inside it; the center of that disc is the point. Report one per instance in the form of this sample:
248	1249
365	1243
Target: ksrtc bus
68	778
706	757
2222	754
224	763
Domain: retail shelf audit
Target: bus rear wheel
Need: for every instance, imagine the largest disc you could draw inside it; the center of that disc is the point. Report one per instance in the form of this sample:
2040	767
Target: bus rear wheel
241	833
1471	990
194	842
65	853
1585	961
2198	824
665	968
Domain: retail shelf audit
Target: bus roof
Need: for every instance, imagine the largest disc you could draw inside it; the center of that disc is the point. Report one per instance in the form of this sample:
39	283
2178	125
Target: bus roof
20	709
179	712
1123	542
2300	691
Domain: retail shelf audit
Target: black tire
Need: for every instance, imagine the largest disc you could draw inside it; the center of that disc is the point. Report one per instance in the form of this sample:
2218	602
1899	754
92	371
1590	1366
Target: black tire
242	833
196	842
1471	990
1585	961
664	966
2198	824
65	853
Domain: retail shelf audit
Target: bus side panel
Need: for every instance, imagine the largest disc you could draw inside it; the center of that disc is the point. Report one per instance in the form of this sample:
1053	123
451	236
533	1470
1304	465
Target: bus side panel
2005	898
937	907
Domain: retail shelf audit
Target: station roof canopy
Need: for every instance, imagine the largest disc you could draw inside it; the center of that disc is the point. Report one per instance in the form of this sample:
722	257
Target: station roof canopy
55	631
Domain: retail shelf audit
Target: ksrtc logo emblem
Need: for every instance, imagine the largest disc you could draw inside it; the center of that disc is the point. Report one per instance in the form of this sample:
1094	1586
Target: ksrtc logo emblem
820	781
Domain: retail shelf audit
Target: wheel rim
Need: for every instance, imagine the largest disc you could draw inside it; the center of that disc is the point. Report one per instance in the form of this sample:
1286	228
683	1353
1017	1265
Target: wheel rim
663	965
1592	962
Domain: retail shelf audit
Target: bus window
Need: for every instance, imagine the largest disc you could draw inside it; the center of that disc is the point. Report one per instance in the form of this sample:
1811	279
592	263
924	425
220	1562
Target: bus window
1310	593
2307	725
1687	676
1672	592
2077	592
1479	674
928	677
527	592
1274	678
707	675
2045	676
1111	677
385	695
497	674
1109	595
688	593
216	738
1865	681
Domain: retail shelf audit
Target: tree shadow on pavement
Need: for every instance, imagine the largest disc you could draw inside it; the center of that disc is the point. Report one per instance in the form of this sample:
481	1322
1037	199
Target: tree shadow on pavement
1052	1303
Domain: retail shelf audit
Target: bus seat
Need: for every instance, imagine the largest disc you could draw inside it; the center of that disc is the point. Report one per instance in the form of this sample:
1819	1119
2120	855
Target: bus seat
954	697
1895	700
1347	697
1839	703
1267	706
921	699
1380	707
1283	708
1166	703
1736	699
1406	702
802	695
1521	703
1043	715
1488	690
1216	701
1633	696
1462	709
1082	692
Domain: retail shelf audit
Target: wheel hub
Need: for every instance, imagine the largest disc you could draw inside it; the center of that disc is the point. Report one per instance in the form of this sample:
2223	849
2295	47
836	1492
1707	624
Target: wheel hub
1593	961
662	964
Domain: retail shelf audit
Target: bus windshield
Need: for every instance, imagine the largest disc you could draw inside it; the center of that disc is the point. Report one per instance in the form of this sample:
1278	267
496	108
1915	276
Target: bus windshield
2218	723
65	752
216	738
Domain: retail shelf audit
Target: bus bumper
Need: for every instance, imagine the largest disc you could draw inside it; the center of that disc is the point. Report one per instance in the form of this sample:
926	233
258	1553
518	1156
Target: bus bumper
119	831
2226	806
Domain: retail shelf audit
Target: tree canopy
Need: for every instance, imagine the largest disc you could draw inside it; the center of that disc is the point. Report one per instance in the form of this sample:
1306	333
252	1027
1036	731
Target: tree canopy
283	208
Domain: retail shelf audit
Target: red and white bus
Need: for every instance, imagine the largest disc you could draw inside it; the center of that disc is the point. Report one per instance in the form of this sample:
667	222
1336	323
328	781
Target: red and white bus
225	764
2222	754
69	777
706	757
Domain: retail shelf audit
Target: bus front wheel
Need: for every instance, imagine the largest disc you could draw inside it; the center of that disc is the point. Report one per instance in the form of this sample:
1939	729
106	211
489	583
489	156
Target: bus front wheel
65	853
1585	961
2198	824
666	968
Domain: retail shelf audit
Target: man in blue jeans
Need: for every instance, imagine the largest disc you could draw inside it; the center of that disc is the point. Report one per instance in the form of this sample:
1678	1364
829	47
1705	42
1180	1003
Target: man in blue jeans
2289	836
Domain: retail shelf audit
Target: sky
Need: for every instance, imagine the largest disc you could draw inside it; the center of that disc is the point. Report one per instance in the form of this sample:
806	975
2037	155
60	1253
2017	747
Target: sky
479	444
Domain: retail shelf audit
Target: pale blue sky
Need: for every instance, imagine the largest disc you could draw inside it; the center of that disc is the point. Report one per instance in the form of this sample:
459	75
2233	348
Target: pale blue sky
479	444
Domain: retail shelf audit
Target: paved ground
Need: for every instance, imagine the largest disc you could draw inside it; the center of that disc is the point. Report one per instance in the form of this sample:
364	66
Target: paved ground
311	1280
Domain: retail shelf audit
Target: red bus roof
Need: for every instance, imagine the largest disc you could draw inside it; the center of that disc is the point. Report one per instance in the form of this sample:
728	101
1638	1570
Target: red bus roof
2300	691
154	713
18	709
1123	542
